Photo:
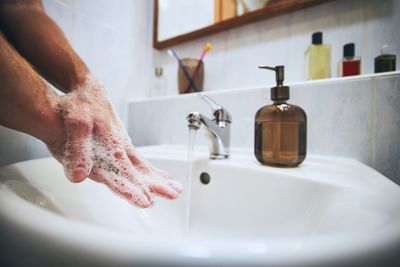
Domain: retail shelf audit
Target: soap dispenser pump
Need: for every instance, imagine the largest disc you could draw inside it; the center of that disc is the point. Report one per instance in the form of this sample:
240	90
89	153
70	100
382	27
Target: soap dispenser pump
280	128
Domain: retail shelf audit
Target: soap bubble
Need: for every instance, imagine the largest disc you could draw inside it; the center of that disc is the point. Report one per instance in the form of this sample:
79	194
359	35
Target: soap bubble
97	146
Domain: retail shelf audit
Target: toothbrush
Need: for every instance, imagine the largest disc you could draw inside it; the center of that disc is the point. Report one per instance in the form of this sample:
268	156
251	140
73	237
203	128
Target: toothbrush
173	53
207	47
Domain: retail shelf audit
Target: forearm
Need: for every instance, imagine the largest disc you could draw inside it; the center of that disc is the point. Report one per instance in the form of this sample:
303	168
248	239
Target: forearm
25	98
37	38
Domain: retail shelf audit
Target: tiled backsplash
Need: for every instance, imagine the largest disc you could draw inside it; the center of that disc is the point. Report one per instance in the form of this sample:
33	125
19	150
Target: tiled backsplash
356	117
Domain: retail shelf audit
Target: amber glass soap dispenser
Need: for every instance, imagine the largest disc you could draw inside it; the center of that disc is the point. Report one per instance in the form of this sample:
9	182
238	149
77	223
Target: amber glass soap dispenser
280	128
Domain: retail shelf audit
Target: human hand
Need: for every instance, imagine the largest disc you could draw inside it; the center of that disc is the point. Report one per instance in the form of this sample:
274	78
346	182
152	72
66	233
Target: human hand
96	145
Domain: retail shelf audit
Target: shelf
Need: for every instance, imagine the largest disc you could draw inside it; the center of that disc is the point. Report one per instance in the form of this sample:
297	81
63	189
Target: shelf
311	82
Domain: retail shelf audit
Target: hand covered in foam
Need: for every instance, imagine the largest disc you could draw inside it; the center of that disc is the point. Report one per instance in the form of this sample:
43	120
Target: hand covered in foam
97	146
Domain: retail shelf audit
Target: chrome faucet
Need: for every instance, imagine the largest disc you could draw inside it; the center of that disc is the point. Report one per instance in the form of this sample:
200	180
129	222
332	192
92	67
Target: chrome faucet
218	128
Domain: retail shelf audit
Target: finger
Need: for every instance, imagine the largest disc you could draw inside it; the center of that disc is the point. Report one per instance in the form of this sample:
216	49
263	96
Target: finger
117	164
78	156
177	186
124	188
135	178
139	163
160	182
164	190
134	157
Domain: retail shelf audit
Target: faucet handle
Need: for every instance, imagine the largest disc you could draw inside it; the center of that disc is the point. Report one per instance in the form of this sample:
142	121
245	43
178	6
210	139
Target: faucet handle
220	113
214	105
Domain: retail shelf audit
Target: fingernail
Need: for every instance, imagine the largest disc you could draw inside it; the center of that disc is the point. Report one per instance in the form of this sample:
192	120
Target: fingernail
176	185
140	200
77	176
145	203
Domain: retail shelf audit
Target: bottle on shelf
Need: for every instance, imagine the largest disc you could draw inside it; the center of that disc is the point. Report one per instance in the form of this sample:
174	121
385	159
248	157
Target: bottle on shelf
318	58
349	65
385	61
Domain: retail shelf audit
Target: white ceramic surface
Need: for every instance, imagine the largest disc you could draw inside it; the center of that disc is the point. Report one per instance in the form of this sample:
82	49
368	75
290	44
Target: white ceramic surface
327	210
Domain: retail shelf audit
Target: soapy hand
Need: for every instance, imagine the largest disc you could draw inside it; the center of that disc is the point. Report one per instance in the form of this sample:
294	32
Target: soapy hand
97	146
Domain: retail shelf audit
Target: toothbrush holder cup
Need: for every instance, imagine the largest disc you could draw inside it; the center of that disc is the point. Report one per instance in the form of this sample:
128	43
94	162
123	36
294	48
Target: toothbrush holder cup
190	65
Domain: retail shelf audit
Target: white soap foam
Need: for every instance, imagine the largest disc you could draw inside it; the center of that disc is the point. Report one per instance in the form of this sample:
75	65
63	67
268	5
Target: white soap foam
98	146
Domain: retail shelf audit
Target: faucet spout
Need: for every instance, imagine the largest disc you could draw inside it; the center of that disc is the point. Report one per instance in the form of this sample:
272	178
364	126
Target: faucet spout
218	130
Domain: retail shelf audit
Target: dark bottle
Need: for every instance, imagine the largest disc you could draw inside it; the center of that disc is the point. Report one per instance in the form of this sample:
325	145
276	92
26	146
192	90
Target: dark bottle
385	62
280	128
350	65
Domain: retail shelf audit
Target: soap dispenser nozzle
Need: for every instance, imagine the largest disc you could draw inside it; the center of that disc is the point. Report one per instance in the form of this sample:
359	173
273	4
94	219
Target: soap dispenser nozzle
279	92
279	71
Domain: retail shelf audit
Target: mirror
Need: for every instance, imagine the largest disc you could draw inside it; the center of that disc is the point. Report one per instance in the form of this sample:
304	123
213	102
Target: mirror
178	21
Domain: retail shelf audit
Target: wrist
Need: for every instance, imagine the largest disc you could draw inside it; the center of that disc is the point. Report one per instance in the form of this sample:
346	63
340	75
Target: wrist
69	77
78	78
51	128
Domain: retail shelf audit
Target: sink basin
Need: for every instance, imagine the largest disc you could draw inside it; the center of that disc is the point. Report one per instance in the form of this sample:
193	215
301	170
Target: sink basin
328	211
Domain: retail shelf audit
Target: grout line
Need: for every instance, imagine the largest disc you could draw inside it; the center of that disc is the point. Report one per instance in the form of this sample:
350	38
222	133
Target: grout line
372	146
365	34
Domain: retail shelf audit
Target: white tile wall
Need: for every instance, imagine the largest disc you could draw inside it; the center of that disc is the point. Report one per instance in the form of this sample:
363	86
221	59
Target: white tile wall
355	117
339	115
386	146
114	40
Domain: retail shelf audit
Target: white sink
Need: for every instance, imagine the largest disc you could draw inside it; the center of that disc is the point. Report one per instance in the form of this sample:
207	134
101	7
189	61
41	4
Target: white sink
327	211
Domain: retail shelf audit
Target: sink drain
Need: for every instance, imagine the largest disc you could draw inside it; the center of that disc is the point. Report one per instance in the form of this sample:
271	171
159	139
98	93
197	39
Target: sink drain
205	178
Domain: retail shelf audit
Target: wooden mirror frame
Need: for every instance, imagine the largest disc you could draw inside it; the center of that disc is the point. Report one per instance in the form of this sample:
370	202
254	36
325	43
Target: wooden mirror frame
275	8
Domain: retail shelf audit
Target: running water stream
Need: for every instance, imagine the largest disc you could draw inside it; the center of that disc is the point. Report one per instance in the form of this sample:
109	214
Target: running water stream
188	182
